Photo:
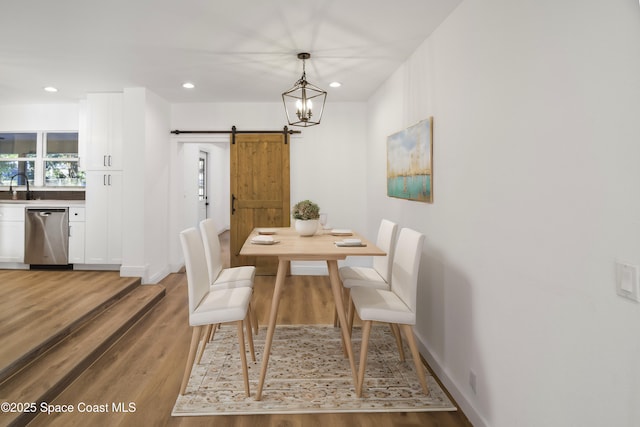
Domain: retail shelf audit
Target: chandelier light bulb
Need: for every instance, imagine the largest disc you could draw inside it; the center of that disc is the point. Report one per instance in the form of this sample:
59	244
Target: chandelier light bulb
303	109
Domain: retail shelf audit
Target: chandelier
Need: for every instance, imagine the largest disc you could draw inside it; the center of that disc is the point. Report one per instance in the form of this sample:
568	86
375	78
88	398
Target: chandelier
304	102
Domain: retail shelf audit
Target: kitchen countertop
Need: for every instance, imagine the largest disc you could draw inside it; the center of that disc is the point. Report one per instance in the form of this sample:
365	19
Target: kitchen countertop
48	203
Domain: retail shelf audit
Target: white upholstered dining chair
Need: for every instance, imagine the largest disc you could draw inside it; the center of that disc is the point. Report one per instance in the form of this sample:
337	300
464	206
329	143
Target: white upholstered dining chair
396	305
209	306
221	277
379	275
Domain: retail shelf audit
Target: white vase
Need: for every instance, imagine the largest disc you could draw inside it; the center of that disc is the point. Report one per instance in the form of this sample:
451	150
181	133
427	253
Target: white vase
306	227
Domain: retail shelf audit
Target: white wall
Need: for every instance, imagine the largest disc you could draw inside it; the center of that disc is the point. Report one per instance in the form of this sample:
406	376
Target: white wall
327	161
535	105
146	186
35	117
157	202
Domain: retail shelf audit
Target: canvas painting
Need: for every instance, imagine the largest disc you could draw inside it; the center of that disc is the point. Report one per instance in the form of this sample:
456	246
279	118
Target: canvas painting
410	163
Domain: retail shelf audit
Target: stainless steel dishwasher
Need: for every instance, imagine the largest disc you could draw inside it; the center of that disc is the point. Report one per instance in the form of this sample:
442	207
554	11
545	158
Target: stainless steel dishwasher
46	236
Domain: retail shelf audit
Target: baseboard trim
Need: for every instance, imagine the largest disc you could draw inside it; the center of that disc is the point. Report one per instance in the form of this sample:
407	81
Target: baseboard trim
105	267
157	277
147	277
309	270
452	387
176	268
134	271
14	266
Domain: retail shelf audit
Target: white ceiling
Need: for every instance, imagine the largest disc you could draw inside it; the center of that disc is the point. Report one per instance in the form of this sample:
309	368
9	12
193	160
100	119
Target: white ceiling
232	50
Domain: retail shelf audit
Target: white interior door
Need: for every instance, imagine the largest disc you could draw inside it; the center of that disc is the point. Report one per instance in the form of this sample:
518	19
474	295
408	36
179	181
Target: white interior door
203	187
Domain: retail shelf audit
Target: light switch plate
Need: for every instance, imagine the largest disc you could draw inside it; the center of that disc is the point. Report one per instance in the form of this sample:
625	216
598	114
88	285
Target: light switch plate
627	281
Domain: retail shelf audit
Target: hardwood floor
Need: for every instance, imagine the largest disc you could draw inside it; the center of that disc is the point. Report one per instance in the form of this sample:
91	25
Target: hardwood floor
42	306
145	367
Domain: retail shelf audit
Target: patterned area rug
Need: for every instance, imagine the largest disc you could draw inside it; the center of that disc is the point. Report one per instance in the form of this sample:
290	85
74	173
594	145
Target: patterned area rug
307	373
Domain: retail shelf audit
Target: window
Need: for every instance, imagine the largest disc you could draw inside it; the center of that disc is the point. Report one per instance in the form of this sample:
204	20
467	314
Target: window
18	152
61	160
201	178
46	158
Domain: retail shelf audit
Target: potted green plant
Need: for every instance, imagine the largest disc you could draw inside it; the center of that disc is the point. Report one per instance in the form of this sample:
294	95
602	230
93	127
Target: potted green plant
306	214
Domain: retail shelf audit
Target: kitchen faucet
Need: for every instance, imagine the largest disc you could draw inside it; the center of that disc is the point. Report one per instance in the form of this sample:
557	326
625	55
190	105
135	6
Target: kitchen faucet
26	178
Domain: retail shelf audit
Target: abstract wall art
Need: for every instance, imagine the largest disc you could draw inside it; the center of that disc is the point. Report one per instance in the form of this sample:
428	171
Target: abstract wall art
410	163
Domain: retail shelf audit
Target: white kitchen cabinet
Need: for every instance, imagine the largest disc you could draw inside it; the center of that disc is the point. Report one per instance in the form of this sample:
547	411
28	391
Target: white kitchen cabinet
103	165
103	217
104	121
76	235
12	233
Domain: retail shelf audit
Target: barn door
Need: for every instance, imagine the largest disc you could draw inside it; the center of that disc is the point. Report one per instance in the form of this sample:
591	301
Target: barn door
259	192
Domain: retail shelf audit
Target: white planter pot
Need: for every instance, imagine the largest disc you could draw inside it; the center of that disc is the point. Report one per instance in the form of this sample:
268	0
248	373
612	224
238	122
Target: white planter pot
306	227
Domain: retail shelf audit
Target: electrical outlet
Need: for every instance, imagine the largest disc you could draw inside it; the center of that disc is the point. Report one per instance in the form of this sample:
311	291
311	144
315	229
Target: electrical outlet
472	381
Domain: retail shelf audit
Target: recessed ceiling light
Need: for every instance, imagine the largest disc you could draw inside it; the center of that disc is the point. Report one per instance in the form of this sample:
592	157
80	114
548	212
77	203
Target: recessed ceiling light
188	85
335	84
50	89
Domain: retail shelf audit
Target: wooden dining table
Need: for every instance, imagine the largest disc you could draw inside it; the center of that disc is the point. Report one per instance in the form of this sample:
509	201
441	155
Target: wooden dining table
290	246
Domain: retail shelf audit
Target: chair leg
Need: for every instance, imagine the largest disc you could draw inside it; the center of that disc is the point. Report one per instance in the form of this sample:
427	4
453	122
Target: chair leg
253	318
364	347
247	322
336	318
195	340
416	357
396	333
213	331
243	357
351	309
207	336
249	314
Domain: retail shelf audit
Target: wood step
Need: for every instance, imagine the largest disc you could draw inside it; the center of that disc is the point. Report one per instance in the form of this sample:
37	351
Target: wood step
30	327
45	377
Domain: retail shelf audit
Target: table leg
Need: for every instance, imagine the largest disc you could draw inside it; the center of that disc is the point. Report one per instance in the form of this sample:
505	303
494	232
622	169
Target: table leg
336	288
283	266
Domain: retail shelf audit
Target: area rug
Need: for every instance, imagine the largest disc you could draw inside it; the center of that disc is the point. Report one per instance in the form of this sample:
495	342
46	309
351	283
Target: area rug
307	373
